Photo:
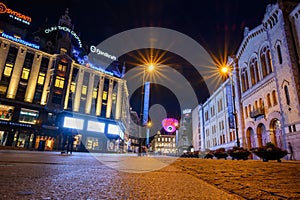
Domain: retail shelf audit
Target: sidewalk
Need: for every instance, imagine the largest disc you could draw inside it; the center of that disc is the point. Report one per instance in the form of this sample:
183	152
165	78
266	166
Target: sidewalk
48	175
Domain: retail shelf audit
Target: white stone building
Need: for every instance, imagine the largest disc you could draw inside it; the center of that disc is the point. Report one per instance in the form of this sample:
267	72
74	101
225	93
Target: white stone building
267	82
215	130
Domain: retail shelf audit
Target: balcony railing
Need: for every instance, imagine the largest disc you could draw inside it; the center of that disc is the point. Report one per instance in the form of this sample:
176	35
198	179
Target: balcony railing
257	112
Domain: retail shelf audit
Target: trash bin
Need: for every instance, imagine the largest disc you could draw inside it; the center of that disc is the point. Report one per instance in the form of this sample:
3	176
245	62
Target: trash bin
42	144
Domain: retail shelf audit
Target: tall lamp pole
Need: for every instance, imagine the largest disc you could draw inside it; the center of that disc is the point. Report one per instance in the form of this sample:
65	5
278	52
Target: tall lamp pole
228	71
150	68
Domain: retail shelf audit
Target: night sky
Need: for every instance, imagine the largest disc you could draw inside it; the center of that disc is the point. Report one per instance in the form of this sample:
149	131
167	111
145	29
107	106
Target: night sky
217	25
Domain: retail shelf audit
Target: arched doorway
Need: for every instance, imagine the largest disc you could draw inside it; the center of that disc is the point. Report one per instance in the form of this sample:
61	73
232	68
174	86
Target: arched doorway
276	133
250	138
262	137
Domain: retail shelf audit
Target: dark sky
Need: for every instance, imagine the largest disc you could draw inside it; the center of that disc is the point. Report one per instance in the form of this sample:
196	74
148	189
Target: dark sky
217	25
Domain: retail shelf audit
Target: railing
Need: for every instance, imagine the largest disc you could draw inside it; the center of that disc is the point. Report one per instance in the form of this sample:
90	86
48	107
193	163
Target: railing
257	112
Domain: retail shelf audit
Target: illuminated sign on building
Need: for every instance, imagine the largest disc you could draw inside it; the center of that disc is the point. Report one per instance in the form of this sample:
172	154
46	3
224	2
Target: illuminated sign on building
14	14
96	126
170	124
71	122
19	40
186	111
66	29
99	52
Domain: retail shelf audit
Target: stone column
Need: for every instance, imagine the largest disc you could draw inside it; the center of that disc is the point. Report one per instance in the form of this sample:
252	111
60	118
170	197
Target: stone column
3	55
119	100
34	73
89	97
99	96
16	74
109	98
78	90
47	83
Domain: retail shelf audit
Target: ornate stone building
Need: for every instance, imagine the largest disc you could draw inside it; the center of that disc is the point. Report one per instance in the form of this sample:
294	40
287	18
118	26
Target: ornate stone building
267	83
46	94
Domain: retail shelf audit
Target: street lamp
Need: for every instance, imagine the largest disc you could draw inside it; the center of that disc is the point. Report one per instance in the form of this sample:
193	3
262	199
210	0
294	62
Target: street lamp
226	70
149	67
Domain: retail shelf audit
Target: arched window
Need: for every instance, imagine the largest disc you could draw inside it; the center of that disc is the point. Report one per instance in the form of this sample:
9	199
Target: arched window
287	95
249	108
274	97
252	71
269	100
269	61
255	105
279	54
263	65
261	103
266	61
246	111
244	80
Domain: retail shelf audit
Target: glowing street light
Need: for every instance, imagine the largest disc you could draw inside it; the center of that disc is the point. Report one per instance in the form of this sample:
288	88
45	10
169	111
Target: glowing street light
227	71
144	119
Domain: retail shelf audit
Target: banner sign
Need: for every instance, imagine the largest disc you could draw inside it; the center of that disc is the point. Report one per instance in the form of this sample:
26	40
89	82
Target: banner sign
146	103
14	14
230	106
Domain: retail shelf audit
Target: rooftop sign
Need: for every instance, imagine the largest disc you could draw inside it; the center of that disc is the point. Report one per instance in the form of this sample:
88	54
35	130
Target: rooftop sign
19	40
66	29
14	14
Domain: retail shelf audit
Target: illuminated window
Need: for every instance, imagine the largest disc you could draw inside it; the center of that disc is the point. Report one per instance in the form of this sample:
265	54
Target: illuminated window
8	70
25	74
83	90
28	116
41	78
104	95
95	91
59	82
114	97
62	67
73	86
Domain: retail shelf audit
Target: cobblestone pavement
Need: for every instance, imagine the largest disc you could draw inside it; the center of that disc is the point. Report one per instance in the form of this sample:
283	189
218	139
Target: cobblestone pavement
49	175
250	179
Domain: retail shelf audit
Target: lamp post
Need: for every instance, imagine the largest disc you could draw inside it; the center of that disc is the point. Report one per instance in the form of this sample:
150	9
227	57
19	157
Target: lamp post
226	70
149	67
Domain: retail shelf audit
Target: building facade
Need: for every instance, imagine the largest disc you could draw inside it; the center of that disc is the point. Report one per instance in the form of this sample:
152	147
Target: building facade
196	126
185	132
216	120
47	95
266	79
164	144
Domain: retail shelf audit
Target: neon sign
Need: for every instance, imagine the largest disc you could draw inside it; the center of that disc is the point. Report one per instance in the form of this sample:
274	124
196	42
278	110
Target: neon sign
66	29
19	40
170	124
99	52
14	14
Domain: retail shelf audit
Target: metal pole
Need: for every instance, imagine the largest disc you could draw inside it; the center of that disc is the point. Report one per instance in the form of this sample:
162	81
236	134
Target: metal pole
234	112
141	116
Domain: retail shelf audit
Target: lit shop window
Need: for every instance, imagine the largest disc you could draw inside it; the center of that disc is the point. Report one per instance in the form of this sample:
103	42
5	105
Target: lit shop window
25	73
28	116
59	82
84	90
41	78
95	91
62	67
6	112
8	70
73	86
104	95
